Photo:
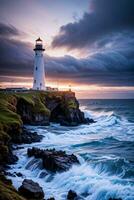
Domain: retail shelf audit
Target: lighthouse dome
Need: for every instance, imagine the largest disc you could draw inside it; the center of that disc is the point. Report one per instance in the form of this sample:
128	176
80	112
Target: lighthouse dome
39	45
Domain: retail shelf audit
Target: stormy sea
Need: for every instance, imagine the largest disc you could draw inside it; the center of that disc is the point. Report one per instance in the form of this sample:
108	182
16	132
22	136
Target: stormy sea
105	150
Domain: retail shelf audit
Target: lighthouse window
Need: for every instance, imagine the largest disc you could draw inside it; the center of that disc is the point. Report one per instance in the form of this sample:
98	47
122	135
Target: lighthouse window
36	68
34	81
40	84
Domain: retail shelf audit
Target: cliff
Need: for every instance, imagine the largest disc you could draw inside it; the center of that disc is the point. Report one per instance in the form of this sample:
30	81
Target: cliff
35	108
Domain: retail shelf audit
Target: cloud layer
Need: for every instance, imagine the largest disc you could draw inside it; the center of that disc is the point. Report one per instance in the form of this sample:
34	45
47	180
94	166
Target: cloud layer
104	17
106	33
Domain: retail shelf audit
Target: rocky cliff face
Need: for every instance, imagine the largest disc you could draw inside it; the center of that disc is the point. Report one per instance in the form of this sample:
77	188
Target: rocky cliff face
35	108
59	107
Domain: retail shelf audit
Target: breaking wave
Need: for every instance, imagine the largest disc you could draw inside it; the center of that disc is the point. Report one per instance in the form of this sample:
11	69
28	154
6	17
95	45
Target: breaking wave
105	150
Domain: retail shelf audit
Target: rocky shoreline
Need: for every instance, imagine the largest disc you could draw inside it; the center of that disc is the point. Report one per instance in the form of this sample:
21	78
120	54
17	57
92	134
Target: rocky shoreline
34	108
52	160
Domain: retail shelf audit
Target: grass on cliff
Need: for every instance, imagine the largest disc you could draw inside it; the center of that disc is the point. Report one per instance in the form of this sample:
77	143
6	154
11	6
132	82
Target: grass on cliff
8	116
71	104
8	192
8	101
36	100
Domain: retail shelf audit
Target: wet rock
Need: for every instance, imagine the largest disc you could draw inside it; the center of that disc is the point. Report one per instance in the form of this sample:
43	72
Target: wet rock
71	195
73	117
65	110
54	160
89	121
6	173
10	158
66	123
51	198
31	190
27	137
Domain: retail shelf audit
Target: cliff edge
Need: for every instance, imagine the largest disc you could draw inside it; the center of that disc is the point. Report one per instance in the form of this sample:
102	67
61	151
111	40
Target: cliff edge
35	108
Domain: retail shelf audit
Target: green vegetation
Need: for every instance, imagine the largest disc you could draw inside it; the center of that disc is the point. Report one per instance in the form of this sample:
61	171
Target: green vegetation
7	191
31	103
8	115
71	104
28	97
9	120
36	100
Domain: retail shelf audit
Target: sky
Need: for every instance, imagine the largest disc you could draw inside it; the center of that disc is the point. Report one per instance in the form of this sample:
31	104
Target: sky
89	45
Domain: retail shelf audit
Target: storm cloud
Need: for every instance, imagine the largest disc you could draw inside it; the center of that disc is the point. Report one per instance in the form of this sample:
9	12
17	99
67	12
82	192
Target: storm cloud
104	17
109	66
8	30
15	55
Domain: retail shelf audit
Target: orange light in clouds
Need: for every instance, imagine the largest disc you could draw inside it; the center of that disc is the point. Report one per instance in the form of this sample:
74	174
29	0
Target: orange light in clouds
81	90
19	82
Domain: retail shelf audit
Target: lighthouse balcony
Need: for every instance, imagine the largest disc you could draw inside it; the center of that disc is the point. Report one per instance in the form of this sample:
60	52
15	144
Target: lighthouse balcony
39	47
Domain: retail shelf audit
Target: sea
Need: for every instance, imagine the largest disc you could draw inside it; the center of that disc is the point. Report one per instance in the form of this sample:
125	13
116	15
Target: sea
105	150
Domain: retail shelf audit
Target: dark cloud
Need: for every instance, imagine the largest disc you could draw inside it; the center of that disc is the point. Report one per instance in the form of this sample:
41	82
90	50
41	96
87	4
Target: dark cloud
110	66
8	30
15	56
105	17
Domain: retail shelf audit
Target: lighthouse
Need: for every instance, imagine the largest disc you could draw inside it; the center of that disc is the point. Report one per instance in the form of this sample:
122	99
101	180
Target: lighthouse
39	72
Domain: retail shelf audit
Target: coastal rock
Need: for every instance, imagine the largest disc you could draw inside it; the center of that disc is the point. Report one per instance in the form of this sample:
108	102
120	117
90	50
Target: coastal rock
12	158
31	190
71	195
65	110
27	137
33	111
35	108
54	160
7	191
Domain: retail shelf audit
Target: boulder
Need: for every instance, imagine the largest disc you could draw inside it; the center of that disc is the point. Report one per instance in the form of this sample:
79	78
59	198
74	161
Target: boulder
11	157
31	190
53	160
72	195
27	137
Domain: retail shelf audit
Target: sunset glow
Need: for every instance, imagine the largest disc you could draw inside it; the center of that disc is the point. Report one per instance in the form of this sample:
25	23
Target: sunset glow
92	59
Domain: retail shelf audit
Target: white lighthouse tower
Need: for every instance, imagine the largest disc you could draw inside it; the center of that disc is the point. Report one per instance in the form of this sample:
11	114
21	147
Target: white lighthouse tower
39	73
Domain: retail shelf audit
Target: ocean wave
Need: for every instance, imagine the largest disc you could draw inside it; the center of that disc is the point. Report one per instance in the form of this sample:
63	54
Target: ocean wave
105	150
88	181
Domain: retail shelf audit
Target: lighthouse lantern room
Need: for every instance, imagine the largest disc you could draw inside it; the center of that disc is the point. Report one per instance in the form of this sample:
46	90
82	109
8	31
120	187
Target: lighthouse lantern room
39	72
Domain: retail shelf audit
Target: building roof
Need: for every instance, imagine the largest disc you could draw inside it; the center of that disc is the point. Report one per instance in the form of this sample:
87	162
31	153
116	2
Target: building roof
38	39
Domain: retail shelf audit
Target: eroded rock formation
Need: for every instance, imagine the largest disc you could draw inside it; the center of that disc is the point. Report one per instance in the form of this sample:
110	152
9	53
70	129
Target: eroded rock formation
54	160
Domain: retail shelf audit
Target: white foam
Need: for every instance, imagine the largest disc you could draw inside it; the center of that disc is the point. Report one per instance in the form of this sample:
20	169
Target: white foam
93	180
